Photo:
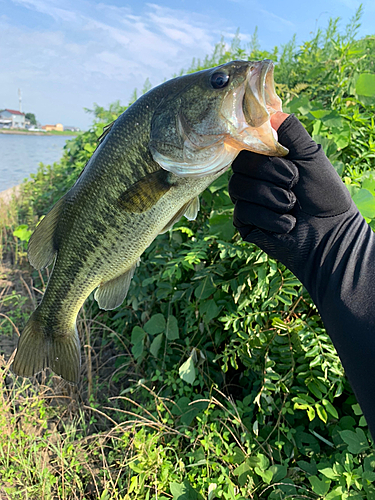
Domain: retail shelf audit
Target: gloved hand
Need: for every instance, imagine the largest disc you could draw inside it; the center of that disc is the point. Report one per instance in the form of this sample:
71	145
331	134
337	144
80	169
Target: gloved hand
287	206
298	210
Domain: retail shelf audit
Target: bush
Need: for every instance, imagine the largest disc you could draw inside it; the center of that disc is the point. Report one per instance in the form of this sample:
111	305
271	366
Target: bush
236	390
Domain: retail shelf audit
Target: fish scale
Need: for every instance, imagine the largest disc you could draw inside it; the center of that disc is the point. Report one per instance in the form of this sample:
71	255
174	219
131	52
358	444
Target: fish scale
147	171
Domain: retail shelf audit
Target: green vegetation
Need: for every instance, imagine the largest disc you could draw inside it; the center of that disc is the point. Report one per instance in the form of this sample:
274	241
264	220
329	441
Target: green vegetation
215	378
31	117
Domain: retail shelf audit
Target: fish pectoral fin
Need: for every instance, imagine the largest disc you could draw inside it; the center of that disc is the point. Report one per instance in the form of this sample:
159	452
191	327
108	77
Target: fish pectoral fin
42	247
38	349
146	192
112	294
192	209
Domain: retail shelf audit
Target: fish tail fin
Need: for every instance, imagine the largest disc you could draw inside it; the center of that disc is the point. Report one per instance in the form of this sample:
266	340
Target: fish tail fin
38	350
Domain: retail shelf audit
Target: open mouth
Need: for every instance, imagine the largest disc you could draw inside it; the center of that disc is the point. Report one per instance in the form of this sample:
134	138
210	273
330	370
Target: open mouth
261	100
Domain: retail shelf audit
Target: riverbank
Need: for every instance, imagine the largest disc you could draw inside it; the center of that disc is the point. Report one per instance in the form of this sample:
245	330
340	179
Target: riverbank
6	196
29	132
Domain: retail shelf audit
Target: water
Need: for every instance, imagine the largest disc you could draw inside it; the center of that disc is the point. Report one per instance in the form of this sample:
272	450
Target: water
20	155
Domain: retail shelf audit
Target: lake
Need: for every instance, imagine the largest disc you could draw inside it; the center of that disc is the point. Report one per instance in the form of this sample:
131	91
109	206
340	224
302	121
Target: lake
20	155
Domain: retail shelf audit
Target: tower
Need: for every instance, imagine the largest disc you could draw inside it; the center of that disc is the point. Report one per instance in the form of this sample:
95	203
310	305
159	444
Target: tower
20	99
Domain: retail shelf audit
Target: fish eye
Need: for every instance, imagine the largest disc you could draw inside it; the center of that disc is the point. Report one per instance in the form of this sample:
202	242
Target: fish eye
219	80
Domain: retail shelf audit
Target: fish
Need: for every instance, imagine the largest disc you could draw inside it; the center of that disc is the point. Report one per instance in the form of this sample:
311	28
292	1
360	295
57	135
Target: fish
147	171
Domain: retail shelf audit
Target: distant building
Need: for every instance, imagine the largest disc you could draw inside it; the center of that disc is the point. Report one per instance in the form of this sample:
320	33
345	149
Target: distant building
71	129
59	127
10	118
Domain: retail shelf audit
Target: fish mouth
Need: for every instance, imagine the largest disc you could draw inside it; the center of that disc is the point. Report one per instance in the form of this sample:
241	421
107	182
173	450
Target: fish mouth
249	108
260	99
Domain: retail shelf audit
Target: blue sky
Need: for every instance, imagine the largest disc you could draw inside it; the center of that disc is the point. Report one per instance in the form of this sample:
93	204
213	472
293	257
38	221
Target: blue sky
67	54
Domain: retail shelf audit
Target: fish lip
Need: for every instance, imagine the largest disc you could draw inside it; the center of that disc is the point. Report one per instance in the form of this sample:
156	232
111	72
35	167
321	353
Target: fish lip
261	94
272	101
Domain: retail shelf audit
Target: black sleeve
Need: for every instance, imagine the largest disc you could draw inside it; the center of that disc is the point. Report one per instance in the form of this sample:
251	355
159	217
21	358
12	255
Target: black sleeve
323	240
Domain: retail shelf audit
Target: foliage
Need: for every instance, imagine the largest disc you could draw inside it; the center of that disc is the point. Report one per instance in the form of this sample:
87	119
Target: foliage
31	117
224	383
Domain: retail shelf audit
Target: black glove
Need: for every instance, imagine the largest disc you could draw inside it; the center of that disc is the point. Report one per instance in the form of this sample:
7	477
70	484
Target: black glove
288	205
298	210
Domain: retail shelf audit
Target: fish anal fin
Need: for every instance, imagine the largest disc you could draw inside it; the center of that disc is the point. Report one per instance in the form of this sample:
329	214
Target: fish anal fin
146	192
37	350
112	293
174	219
192	210
42	248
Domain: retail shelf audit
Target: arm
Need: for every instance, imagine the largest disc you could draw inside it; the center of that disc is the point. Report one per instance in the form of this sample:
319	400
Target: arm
298	210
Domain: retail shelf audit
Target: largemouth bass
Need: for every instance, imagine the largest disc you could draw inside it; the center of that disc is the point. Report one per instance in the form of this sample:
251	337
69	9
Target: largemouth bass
146	173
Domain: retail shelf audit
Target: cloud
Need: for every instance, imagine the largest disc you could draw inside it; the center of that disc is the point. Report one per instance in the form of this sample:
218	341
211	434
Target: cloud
49	7
102	51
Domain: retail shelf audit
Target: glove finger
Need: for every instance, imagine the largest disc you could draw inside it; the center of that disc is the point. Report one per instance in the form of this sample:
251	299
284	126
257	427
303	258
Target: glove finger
247	215
320	190
261	193
275	170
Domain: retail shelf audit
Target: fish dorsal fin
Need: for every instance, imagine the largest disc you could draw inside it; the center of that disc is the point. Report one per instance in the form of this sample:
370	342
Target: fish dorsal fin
42	246
146	192
106	131
112	294
192	209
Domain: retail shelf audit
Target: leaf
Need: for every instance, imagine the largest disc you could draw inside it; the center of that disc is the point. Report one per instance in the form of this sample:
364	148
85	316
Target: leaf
205	288
368	476
156	344
209	310
330	473
319	486
279	472
369	184
187	371
335	494
320	113
338	165
309	467
330	408
300	105
365	202
156	324
242	471
22	232
138	338
266	475
311	413
172	328
329	146
322	414
183	491
221	224
356	441
365	85
187	410
314	389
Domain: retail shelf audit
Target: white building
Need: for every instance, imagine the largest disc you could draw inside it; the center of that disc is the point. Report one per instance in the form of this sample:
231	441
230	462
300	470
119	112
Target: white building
12	118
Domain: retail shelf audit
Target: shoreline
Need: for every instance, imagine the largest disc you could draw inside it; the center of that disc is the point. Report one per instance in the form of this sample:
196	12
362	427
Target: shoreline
28	132
7	195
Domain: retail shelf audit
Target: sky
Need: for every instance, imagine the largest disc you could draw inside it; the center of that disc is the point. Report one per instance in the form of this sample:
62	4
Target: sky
65	55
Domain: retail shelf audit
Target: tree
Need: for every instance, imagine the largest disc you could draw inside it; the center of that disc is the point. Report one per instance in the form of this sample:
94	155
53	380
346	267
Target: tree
31	117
